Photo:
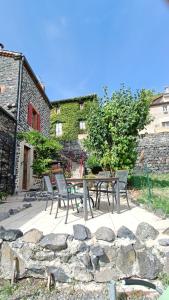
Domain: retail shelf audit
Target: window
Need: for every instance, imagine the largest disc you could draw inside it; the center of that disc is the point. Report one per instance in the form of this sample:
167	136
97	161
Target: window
59	129
81	105
165	109
165	124
33	117
82	125
58	110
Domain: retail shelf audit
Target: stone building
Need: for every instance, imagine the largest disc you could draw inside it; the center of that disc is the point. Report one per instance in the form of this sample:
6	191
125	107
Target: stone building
68	124
23	96
7	150
159	111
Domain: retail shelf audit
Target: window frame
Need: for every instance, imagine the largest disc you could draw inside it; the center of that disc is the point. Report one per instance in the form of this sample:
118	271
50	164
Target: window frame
59	129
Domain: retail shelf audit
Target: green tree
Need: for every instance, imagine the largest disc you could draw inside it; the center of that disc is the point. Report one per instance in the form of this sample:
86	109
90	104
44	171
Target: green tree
113	127
45	150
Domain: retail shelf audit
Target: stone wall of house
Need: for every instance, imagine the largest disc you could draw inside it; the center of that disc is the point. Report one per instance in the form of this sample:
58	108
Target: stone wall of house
9	70
7	148
30	93
153	151
83	256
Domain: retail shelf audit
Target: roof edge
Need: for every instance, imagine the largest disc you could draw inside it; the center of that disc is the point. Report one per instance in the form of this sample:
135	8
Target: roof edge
80	98
7	113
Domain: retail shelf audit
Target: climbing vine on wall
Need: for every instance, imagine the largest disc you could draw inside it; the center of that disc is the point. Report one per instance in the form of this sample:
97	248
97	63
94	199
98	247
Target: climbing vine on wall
70	116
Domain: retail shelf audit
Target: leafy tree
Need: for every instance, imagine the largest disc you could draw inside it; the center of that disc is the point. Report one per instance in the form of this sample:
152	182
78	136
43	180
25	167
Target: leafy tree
113	127
45	150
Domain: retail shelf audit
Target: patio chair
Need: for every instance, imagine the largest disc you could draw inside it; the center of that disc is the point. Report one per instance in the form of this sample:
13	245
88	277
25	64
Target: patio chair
50	193
67	192
102	187
122	175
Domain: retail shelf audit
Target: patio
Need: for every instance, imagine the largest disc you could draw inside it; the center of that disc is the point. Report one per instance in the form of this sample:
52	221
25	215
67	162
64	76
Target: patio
37	217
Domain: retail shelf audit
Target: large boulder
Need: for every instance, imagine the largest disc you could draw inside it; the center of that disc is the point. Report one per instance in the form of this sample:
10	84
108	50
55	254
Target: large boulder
126	259
106	275
146	231
96	250
124	232
105	234
54	241
149	265
33	236
58	274
81	232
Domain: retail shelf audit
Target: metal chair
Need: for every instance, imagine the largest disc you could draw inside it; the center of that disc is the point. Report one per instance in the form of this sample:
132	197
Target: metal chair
102	187
65	193
122	175
50	193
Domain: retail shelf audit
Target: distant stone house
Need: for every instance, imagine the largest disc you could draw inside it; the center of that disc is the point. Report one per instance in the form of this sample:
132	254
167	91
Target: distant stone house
159	111
22	97
68	124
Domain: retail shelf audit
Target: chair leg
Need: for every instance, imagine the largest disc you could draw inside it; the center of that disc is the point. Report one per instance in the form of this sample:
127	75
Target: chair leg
57	208
67	211
46	203
108	198
96	198
72	204
99	196
90	206
127	199
76	205
51	207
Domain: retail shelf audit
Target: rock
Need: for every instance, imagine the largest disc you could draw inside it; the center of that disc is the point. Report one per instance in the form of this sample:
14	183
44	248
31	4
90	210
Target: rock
145	232
106	275
54	241
124	232
163	242
2	232
81	274
96	250
81	232
33	236
27	205
45	255
85	259
83	247
1	241
94	262
149	264
126	258
12	235
166	264
105	234
166	231
59	274
4	215
110	254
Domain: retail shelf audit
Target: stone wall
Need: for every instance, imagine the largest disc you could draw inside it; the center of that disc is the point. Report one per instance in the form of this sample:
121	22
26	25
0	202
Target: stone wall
9	69
30	93
85	257
153	151
7	146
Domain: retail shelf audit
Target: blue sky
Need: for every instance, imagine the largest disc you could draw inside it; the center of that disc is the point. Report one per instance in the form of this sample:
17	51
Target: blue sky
77	47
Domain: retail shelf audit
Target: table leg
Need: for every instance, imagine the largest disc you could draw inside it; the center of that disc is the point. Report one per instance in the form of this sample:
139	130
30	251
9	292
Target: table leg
85	195
118	196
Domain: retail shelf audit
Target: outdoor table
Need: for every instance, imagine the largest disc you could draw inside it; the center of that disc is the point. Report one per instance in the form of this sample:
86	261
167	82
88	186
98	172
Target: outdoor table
85	191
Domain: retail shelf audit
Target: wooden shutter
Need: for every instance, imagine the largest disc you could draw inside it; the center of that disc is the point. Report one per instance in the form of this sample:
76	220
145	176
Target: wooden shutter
29	119
38	122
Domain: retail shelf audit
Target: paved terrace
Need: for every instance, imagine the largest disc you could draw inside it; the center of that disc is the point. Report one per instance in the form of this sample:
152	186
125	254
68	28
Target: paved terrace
37	217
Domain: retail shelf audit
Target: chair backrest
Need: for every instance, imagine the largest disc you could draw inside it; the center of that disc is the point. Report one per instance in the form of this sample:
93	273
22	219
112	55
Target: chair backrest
104	174
61	183
122	175
48	184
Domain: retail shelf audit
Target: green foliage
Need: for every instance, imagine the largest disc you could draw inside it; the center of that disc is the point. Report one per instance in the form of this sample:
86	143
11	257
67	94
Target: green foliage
7	290
3	196
164	278
69	116
46	149
94	164
113	127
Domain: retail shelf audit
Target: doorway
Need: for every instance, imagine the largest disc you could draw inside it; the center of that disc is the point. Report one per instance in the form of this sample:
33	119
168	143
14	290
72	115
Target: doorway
25	168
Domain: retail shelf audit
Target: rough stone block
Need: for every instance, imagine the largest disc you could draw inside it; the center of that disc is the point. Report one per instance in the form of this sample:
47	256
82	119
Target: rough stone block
105	234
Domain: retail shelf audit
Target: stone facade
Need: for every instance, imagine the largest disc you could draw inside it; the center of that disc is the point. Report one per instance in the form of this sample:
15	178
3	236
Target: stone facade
7	150
154	150
20	88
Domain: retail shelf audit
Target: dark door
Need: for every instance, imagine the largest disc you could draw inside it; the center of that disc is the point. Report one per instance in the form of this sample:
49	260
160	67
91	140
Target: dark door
25	168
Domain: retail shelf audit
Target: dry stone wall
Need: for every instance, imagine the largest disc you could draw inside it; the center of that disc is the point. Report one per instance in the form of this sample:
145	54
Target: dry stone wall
153	149
83	256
